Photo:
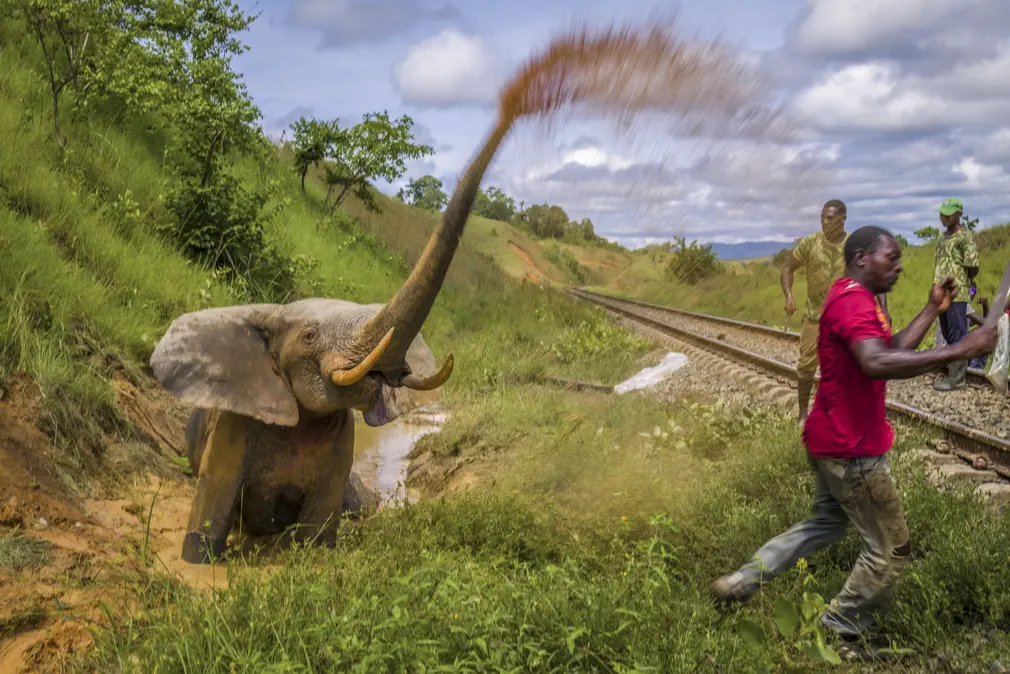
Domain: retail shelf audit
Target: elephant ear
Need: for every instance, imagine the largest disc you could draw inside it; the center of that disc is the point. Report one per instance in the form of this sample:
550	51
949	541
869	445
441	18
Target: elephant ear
393	402
220	359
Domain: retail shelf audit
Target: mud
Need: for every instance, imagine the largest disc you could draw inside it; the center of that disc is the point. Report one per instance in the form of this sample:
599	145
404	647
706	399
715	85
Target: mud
102	548
536	273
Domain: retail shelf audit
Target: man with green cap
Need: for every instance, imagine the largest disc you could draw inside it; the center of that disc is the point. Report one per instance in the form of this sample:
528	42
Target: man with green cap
956	256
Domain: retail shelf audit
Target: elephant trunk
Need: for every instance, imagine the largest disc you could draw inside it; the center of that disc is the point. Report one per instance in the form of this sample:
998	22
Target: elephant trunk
407	311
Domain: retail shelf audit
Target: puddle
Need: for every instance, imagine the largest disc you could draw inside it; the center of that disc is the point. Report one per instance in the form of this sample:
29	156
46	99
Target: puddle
651	376
380	454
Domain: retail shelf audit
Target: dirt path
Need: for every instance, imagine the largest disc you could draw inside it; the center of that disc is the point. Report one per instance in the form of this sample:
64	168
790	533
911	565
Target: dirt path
536	274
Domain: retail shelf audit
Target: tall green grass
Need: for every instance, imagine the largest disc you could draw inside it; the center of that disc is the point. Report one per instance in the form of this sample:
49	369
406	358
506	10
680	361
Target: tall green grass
585	550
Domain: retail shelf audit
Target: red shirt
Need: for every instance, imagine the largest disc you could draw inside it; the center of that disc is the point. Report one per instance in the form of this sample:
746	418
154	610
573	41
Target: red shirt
848	418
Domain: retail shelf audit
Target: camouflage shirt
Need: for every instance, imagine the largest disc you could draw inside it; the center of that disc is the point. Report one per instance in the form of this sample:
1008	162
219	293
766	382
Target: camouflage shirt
824	262
954	252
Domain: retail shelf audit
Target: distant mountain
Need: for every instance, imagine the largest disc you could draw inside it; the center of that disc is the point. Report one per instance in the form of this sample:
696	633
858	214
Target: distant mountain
748	249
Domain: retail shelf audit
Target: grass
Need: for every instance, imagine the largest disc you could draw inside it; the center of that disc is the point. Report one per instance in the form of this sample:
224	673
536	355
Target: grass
18	553
592	551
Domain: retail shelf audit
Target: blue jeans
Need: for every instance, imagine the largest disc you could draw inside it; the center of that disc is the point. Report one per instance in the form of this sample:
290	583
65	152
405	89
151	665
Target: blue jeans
954	322
860	492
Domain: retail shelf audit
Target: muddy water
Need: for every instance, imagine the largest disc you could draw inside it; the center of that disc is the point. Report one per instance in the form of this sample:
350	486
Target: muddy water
380	454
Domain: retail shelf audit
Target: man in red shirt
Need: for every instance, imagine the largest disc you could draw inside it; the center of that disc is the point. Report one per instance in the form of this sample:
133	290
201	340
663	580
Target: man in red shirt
847	434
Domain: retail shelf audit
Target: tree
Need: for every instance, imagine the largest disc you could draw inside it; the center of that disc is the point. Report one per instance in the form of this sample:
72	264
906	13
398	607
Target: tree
927	233
425	192
583	230
375	148
494	204
969	223
69	33
902	241
547	222
314	141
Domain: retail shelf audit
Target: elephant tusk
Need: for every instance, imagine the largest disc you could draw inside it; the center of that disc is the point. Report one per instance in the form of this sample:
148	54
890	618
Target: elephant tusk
355	374
431	382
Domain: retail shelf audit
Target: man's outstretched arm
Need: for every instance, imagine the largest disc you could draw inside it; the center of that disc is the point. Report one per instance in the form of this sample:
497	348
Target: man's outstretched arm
879	362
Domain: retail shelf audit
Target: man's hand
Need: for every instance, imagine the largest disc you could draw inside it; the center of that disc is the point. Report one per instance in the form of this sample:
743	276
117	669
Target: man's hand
978	342
943	293
790	305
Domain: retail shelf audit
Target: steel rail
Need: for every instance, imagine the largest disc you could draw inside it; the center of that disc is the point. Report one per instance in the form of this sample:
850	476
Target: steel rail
975	375
960	431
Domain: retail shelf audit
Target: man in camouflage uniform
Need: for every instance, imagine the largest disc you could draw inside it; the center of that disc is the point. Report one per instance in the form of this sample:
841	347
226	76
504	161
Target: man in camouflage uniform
821	255
957	256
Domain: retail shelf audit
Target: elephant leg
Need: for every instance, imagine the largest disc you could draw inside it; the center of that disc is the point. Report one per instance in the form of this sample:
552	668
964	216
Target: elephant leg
221	472
319	518
196	438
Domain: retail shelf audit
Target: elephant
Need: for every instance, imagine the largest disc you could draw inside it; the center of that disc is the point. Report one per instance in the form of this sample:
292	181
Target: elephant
273	386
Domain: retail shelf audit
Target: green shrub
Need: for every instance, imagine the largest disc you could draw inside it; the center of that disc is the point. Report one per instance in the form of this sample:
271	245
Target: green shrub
693	263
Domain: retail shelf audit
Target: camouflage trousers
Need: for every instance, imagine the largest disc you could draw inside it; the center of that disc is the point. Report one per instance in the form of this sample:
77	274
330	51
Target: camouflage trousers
860	492
807	365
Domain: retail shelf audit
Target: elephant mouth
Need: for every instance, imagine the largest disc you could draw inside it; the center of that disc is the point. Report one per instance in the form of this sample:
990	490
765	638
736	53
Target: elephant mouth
376	414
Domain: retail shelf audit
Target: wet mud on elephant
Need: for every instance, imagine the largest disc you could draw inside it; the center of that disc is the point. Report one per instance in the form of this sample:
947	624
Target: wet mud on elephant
271	441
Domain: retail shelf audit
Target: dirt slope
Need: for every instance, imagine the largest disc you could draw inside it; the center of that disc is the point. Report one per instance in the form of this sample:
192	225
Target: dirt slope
96	546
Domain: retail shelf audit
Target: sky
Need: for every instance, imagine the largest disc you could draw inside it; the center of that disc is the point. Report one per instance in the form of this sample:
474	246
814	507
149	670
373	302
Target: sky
896	106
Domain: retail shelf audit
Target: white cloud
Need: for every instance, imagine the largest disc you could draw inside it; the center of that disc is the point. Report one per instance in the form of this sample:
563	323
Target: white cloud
449	68
867	95
839	26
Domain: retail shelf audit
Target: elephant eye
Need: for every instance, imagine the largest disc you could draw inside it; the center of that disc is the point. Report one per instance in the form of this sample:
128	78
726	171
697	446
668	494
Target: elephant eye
310	336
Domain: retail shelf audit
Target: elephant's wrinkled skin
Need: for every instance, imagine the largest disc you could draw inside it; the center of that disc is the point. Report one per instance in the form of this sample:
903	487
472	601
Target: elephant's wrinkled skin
272	438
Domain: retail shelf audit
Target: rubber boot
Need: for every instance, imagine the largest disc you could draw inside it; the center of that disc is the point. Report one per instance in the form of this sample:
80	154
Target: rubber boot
956	372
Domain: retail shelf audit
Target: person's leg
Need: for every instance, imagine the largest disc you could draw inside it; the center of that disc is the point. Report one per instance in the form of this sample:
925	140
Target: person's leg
868	496
807	365
827	525
955	324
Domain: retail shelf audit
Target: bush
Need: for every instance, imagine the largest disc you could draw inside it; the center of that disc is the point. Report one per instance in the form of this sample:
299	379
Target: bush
993	238
693	263
222	224
563	258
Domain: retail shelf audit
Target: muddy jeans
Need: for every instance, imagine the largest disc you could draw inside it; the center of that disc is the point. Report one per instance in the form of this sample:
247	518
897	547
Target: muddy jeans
860	492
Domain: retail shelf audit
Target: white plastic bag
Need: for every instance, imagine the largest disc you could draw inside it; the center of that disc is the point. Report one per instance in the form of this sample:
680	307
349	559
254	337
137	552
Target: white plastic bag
651	376
997	374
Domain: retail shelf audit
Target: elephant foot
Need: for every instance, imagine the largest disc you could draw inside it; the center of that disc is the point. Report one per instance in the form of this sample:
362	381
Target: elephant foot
197	548
359	500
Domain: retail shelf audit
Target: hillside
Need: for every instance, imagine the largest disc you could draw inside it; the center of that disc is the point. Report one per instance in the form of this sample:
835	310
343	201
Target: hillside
544	261
560	530
749	289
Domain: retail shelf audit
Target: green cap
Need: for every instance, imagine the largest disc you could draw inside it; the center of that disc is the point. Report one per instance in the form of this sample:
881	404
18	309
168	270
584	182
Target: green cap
951	206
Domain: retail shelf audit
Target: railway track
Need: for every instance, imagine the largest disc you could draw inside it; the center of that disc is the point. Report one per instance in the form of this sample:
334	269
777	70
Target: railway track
785	337
774	356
